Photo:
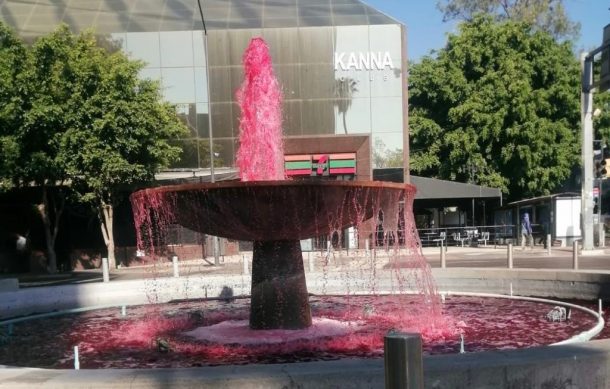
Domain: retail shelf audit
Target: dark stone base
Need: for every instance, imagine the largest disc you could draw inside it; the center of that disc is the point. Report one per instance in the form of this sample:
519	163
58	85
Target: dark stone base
279	291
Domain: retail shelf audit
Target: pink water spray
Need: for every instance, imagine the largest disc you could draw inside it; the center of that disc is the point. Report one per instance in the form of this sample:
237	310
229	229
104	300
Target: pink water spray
261	152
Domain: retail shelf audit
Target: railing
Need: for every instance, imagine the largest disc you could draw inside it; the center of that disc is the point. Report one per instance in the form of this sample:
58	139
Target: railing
468	235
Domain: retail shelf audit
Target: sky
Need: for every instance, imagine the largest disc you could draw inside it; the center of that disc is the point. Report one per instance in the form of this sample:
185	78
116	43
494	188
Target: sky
426	30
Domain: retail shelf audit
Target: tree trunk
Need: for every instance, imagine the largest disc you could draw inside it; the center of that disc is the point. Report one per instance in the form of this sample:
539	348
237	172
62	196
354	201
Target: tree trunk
50	228
107	224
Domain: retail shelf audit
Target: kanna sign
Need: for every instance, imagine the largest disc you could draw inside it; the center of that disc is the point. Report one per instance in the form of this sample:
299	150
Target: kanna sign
363	61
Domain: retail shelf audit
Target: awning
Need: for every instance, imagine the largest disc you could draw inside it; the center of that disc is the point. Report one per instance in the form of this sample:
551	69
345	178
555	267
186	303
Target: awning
432	188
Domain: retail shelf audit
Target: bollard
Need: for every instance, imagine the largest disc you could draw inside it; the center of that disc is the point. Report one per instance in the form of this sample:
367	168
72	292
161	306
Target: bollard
76	361
403	361
575	255
367	247
462	350
245	263
599	307
105	270
123	311
509	254
548	244
443	258
511	288
175	263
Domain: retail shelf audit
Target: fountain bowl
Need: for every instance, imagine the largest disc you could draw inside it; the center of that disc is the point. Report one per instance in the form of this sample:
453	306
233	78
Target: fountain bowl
273	210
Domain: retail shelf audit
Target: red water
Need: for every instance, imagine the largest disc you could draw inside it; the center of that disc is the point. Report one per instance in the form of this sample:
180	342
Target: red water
108	340
261	152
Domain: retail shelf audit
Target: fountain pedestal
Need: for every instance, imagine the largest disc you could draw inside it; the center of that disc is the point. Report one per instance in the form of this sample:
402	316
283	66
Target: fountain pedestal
279	290
275	215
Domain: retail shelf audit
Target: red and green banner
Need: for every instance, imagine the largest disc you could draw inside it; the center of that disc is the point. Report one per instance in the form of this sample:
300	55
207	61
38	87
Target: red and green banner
320	164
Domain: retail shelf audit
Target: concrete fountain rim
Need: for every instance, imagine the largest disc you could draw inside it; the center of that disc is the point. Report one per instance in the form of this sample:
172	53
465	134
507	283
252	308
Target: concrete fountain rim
584	363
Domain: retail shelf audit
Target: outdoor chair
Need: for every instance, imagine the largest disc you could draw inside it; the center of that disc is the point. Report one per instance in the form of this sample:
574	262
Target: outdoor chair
458	238
484	238
441	238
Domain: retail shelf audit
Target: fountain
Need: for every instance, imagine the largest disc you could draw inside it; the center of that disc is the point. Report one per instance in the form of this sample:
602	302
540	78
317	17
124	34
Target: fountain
276	213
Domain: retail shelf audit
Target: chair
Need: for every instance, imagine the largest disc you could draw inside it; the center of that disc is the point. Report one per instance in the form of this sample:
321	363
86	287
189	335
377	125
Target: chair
458	238
484	238
441	238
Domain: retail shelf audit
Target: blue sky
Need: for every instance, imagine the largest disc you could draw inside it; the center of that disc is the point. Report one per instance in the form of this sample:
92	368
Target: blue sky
426	30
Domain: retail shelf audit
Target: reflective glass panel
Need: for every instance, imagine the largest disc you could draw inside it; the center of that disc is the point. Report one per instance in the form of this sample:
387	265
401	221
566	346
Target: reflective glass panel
386	114
176	48
189	157
178	84
318	117
202	120
353	116
144	46
222	123
201	85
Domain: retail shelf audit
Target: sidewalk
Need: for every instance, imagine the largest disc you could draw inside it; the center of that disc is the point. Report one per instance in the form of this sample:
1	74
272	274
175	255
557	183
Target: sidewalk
456	256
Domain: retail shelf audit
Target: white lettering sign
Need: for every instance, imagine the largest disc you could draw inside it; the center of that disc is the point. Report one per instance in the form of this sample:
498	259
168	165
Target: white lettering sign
363	61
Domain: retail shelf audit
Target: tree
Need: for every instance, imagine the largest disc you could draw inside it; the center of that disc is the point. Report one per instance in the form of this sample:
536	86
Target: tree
498	106
120	131
13	59
545	15
344	90
383	158
45	90
90	127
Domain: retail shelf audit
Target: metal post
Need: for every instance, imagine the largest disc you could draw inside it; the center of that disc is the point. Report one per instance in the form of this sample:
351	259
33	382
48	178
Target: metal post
175	264
76	361
509	254
587	151
443	258
548	244
105	270
403	361
245	263
310	262
210	129
575	255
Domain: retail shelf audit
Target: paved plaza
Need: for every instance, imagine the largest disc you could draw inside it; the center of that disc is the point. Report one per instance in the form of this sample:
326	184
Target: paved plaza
456	257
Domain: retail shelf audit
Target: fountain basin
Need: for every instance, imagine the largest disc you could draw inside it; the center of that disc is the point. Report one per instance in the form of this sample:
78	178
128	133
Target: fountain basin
585	363
272	210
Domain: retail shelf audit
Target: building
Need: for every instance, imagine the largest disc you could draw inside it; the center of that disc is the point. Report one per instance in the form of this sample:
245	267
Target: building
341	63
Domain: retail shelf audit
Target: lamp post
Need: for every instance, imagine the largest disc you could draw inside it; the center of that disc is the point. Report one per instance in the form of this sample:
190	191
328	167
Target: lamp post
210	132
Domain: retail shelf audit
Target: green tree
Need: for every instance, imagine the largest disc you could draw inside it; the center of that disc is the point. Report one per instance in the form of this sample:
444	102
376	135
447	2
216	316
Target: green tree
90	127
13	61
498	106
120	131
601	120
45	90
545	15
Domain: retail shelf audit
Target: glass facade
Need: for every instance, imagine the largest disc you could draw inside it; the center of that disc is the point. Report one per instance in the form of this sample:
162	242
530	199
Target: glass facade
339	61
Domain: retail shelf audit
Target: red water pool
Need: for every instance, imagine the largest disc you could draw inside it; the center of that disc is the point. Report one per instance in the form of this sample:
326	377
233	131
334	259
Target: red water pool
157	335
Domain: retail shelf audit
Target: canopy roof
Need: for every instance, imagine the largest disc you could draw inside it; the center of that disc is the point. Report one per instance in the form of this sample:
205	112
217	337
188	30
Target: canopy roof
432	188
37	17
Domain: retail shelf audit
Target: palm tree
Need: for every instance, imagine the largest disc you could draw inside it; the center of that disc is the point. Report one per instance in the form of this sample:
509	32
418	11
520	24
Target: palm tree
345	88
